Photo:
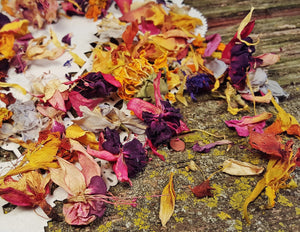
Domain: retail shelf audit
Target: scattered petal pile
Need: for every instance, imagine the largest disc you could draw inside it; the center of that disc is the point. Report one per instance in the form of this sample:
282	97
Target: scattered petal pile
121	109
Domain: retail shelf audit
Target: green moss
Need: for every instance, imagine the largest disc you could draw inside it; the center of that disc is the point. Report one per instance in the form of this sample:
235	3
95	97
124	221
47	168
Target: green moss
141	219
105	227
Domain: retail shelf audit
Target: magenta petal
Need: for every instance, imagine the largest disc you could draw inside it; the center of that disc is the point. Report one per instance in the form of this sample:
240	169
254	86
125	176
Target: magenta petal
256	123
112	80
105	155
214	41
148	26
138	106
57	127
182	127
121	171
16	197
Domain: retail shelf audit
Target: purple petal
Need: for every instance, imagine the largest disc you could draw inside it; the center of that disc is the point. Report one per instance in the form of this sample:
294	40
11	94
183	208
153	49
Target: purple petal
112	143
135	157
67	39
96	186
206	148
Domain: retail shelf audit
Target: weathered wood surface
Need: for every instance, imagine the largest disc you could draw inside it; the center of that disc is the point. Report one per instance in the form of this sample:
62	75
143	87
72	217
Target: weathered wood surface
278	26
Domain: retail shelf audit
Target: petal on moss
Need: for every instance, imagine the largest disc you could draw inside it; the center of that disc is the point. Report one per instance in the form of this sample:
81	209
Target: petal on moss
167	202
247	123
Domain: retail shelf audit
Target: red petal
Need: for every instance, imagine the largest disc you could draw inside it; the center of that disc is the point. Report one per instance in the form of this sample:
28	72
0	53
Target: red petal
267	143
203	190
16	197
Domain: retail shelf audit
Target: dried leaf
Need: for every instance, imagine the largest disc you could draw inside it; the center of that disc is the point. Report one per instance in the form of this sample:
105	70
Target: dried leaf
167	202
238	168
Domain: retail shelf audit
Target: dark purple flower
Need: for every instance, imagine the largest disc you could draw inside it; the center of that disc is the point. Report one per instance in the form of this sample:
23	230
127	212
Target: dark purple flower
158	130
3	20
135	157
67	38
112	143
97	186
4	66
161	127
93	85
240	61
198	84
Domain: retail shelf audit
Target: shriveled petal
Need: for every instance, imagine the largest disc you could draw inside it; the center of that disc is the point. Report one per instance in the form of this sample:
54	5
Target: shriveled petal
120	169
78	213
102	154
138	106
249	123
206	148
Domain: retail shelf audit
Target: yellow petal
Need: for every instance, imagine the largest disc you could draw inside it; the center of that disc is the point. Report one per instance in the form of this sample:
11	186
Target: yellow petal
255	193
17	27
243	24
167	202
85	137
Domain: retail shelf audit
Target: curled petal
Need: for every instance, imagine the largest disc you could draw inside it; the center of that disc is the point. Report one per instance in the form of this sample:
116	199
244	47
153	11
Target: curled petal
138	106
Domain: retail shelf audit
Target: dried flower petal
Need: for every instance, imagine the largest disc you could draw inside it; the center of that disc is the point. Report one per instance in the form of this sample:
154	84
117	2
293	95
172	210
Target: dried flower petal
203	190
167	202
238	168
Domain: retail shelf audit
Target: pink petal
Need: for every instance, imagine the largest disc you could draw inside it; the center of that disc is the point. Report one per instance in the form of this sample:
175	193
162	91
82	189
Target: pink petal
268	59
57	101
138	106
183	127
121	171
157	95
105	155
89	166
214	41
124	5
248	123
148	26
111	79
154	150
78	100
78	213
